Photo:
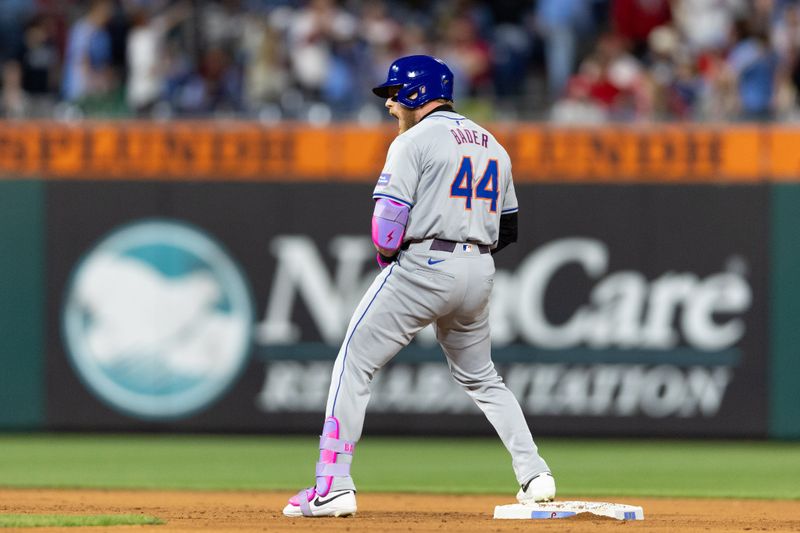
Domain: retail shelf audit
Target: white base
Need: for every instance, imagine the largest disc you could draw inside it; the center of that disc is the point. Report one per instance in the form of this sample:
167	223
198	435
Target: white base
566	509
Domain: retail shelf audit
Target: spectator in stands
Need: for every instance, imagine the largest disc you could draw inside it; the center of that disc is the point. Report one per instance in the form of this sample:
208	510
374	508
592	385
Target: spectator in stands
414	39
684	92
378	29
512	47
87	64
560	22
762	15
578	105
145	55
349	64
615	81
467	55
311	35
675	81
384	37
31	73
221	23
216	87
785	32
785	40
633	20
266	77
179	72
13	13
706	24
753	67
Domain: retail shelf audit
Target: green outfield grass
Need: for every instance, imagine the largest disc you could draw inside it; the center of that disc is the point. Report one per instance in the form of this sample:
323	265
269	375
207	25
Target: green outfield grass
59	520
582	467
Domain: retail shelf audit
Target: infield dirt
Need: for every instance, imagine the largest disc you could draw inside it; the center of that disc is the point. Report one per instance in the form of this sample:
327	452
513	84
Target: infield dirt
390	513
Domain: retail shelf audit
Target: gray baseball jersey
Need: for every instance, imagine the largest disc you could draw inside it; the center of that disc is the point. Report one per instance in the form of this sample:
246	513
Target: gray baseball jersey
456	179
454	175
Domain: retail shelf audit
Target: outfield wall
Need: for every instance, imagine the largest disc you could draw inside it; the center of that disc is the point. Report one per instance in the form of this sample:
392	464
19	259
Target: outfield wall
200	277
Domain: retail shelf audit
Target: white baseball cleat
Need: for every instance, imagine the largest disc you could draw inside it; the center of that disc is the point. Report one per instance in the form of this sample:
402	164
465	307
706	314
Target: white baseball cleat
335	503
540	488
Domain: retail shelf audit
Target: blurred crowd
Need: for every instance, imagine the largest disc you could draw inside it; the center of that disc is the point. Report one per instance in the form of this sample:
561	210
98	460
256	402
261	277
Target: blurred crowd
568	61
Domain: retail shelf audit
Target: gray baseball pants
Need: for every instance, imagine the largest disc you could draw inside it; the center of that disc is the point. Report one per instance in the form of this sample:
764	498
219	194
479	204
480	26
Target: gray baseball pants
450	290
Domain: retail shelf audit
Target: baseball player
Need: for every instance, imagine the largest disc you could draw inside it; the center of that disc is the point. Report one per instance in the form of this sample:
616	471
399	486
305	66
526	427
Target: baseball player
444	204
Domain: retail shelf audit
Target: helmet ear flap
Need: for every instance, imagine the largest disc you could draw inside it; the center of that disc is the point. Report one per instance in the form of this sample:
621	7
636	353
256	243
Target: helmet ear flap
419	92
409	96
413	96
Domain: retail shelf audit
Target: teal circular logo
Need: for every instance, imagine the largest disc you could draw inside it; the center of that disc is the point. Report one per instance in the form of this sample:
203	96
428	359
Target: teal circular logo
158	320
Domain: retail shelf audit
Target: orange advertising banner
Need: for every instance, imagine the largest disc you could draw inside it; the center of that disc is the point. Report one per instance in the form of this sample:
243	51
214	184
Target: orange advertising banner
246	151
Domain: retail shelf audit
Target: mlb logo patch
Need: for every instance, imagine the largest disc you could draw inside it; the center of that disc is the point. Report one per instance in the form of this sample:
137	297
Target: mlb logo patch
384	179
466	248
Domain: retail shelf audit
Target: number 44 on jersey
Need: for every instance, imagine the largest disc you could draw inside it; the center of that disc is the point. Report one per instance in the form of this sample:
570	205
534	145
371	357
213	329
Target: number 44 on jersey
486	189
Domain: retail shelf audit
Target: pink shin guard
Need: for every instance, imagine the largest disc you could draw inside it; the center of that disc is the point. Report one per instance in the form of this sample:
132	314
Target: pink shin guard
327	468
327	456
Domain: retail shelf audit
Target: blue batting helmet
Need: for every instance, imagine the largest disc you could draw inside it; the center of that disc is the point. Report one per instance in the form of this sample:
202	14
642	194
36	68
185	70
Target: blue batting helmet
419	79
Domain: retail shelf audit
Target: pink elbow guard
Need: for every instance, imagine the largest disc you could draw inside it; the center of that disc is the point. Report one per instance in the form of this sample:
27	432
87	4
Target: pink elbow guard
389	224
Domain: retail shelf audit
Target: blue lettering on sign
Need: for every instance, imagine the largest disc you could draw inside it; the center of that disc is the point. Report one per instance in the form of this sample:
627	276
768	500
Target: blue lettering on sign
552	514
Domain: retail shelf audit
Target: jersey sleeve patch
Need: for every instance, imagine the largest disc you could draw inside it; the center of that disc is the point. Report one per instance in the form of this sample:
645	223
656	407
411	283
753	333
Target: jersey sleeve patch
395	198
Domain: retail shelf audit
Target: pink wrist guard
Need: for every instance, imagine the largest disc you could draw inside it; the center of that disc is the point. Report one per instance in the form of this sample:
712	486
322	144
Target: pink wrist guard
389	224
